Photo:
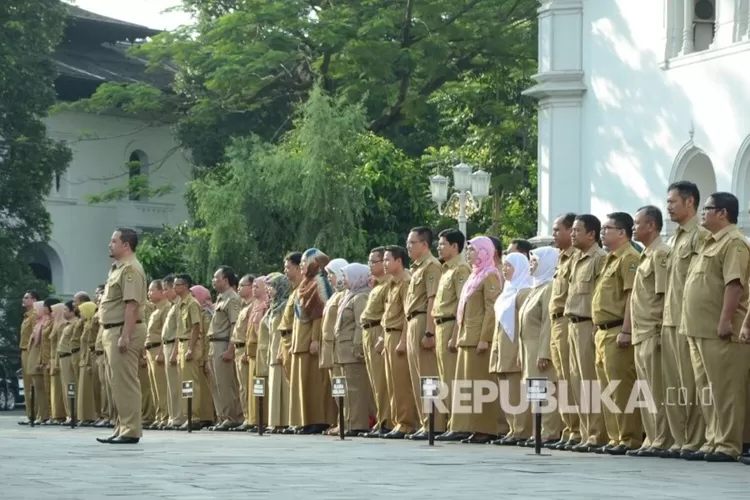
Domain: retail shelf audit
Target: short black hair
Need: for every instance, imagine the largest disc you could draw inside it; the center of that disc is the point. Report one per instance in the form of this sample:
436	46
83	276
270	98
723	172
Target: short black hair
168	280
70	307
83	296
729	203
523	246
592	223
568	219
51	301
230	275
398	253
33	294
425	234
249	277
624	221
454	237
101	286
129	236
497	242
686	189
294	257
378	250
158	284
186	278
654	215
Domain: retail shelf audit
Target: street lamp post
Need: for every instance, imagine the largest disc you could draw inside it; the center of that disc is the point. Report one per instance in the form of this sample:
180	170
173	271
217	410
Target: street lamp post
470	191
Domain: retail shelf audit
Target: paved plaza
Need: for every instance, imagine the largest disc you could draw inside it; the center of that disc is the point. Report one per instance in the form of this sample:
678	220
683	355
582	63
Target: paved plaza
68	464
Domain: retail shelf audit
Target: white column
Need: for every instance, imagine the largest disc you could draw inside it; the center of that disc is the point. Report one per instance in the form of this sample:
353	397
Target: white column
687	29
746	34
725	20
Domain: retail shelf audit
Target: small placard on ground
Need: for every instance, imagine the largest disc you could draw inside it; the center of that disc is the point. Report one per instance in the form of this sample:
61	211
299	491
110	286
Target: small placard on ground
259	387
187	389
536	389
71	390
430	387
338	387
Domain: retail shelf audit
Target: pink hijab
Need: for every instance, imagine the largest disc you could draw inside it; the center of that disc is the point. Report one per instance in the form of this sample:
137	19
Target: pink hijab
260	306
203	296
484	265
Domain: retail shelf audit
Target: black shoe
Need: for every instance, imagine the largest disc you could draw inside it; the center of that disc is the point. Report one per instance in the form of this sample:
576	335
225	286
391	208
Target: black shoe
553	445
124	440
620	449
718	456
241	428
354	433
601	450
372	433
478	438
394	435
107	440
419	436
651	452
306	430
569	445
692	455
671	453
452	436
101	425
24	422
744	459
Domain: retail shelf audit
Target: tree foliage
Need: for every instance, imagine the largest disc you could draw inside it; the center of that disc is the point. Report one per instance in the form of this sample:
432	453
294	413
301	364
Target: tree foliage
29	160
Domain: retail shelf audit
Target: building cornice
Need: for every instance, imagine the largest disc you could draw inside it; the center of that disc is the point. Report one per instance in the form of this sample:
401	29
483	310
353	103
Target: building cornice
558	86
569	6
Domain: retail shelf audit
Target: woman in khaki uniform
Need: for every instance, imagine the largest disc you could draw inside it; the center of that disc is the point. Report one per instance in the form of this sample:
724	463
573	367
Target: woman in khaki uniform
47	354
348	350
504	360
206	411
57	393
36	364
476	323
330	312
278	288
254	327
535	335
65	355
310	390
85	410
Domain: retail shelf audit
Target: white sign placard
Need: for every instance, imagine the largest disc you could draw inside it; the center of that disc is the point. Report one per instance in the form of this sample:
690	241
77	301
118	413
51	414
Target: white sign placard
71	390
259	387
187	389
430	387
338	387
536	389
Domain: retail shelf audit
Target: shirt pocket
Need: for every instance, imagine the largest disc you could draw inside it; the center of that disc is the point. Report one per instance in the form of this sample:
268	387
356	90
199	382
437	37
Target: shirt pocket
585	283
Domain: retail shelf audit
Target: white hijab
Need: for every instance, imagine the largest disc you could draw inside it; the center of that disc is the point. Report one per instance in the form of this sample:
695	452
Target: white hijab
546	258
505	305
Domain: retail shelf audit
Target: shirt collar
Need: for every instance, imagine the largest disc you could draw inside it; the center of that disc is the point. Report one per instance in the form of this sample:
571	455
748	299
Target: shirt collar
691	224
452	263
651	248
720	234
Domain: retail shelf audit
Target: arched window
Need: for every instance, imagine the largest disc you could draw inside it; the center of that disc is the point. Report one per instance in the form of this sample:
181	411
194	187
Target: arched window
137	175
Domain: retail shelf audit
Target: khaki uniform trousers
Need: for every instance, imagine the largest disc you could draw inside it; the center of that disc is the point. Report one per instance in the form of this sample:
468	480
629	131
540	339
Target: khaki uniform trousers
721	375
251	400
358	396
223	382
514	405
376	373
191	370
174	384
244	379
125	384
67	377
583	368
106	409
422	363
57	396
148	408
648	366
278	396
400	390
157	377
26	382
446	360
681	399
85	408
560	353
618	364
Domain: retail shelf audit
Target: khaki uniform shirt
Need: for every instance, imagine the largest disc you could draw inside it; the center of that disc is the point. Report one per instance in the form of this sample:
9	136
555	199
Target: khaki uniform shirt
64	346
287	318
126	282
611	292
156	322
561	281
189	314
584	271
393	314
685	245
225	315
348	333
478	322
376	301
455	273
425	277
724	257
27	328
78	326
647	298
169	329
239	333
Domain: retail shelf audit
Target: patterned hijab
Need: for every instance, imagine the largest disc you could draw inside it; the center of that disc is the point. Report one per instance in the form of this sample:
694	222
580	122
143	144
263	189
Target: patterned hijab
315	288
505	305
357	283
484	265
283	287
546	264
260	306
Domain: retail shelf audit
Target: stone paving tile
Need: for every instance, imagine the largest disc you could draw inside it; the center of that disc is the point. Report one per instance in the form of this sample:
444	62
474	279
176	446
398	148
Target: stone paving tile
60	464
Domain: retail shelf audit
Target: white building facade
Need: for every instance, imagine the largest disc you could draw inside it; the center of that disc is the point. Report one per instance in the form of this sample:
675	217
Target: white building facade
636	94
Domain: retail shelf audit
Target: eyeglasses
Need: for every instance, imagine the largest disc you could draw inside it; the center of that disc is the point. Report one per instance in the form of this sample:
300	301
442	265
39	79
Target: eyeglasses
373	262
706	209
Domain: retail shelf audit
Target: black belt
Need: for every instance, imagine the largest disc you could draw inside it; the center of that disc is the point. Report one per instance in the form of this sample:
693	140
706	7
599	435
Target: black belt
577	319
445	319
75	350
414	314
240	345
167	342
211	339
109	326
151	346
370	324
284	333
99	353
24	349
91	348
393	330
611	324
557	316
64	355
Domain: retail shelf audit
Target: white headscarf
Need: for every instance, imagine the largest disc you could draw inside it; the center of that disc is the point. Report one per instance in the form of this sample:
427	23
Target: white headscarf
505	305
546	258
336	267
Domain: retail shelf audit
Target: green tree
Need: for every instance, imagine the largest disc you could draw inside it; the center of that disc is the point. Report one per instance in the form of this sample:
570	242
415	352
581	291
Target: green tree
29	160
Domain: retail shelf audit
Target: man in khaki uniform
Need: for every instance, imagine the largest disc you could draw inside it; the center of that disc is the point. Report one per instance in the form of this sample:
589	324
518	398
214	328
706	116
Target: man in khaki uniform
646	311
584	272
239	344
190	346
155	354
681	400
716	298
610	312
121	317
560	344
221	350
169	352
372	329
455	273
418	305
293	272
27	327
393	345
107	413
